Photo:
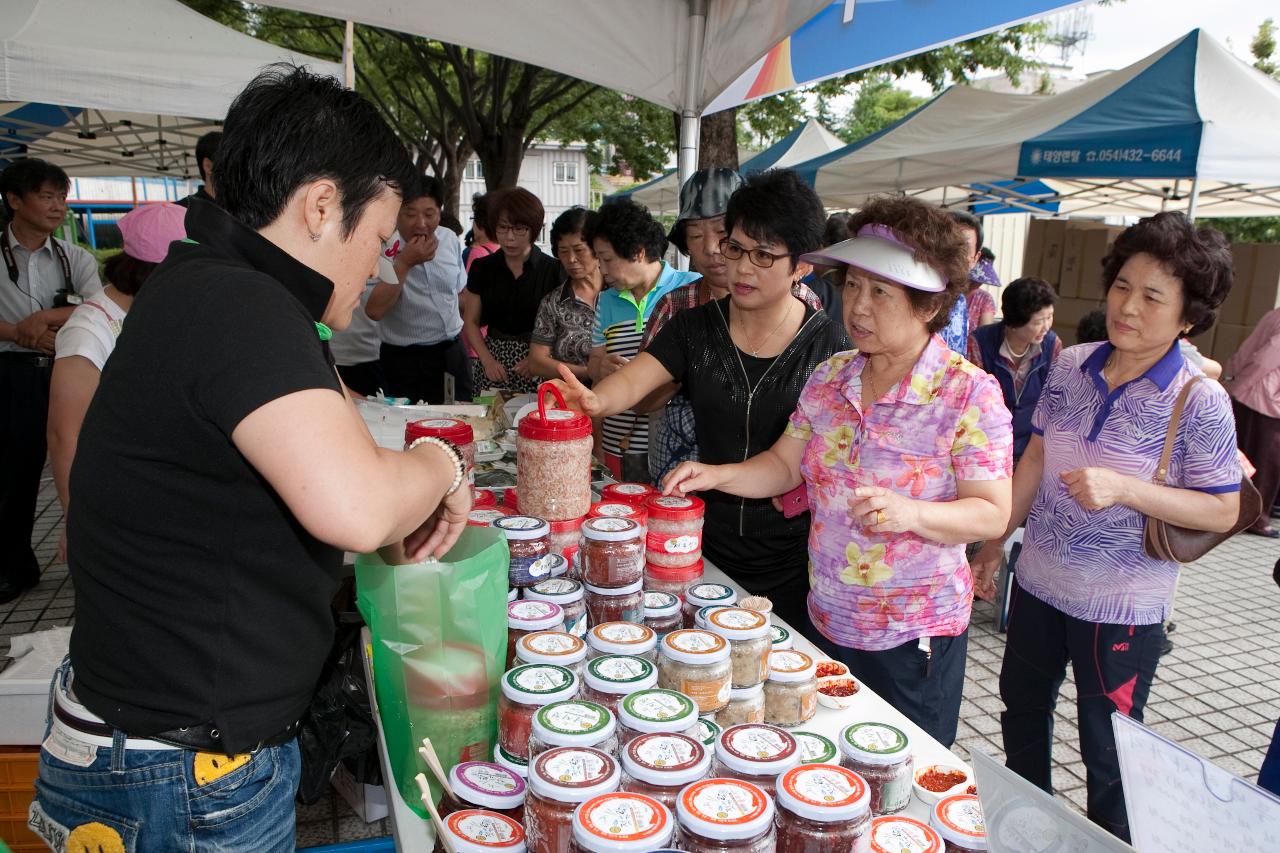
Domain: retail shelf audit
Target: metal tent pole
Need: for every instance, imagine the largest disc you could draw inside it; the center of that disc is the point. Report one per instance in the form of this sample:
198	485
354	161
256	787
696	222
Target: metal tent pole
692	110
1195	198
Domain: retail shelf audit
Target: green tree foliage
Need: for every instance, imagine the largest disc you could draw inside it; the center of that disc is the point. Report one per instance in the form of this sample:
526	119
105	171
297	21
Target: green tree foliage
621	132
1263	48
878	104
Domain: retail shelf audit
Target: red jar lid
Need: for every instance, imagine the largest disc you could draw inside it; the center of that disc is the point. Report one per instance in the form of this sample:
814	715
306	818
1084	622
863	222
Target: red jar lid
674	574
566	526
509	500
560	424
675	508
628	493
618	509
452	429
481	498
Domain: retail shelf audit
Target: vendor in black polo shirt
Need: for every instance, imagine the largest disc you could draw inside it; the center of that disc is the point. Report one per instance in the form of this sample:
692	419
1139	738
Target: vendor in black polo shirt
221	472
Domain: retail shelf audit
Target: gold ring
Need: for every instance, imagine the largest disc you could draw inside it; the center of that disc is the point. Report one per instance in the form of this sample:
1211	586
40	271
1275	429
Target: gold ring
879	516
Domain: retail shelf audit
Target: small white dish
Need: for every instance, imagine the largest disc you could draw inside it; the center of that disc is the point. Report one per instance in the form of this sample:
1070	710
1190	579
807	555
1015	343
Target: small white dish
932	798
839	703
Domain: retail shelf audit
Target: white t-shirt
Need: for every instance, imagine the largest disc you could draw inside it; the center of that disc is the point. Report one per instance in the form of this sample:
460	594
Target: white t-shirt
359	342
91	330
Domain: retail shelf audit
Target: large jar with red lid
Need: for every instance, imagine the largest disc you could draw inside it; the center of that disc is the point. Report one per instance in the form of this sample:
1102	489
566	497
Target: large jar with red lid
757	753
959	820
481	831
559	780
526	617
484	785
675	530
823	808
621	823
573	722
628	493
566	537
660	765
696	663
525	689
559	648
901	834
880	754
529	543
456	432
672	581
700	595
623	638
662	612
615	603
718	815
553	460
612	552
748	634
570	595
611	677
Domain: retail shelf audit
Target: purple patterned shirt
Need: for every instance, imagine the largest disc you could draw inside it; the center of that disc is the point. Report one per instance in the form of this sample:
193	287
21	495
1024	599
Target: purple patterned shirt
1091	564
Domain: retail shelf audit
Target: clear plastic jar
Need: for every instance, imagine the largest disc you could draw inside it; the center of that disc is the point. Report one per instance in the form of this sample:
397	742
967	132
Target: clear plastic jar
780	638
816	748
456	432
958	820
525	617
484	785
746	705
661	765
616	604
486	516
756	753
662	612
574	722
620	509
559	780
823	808
529	542
553	461
708	732
570	595
674	581
700	595
791	693
611	677
674	537
554	647
481	831
748	634
716	815
696	663
566	537
628	493
656	711
514	763
900	834
525	689
622	638
612	553
621	823
880	754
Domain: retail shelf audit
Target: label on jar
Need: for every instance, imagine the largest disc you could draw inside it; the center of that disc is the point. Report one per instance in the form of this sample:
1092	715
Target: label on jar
487	828
737	618
815	749
824	785
630	489
876	738
520	522
664	752
624	817
780	637
725	802
490	779
674	545
962	814
573	718
707	731
438	423
710	695
557	586
539	678
608	525
758	743
486	516
660	602
903	835
695	642
673	502
559	415
711	592
620	668
532	610
789	661
617	510
571	767
551	643
543	565
624	633
658	705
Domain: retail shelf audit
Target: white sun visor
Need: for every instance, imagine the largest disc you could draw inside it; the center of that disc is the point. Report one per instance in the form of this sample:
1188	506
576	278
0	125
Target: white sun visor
879	251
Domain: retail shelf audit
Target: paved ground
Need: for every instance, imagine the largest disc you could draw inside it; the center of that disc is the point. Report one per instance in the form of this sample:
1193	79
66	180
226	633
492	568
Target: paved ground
1217	692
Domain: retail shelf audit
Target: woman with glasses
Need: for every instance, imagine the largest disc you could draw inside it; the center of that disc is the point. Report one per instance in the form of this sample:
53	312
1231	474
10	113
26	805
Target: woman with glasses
742	361
562	329
504	291
904	452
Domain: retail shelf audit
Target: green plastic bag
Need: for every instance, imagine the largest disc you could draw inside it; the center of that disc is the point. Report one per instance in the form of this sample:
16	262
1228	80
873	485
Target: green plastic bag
439	645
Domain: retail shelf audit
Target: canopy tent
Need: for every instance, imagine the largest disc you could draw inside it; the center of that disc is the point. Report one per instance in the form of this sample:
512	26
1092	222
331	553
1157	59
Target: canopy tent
809	140
120	68
1189	127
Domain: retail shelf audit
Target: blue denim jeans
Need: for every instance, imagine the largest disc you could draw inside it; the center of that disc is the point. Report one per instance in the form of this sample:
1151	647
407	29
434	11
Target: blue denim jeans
125	800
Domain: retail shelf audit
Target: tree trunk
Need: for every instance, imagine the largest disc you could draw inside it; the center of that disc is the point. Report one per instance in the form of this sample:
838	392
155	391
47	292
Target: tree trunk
718	145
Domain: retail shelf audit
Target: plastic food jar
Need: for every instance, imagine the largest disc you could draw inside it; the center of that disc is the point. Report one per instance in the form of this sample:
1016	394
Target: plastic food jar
674	537
708	733
702	595
623	638
756	753
958	819
621	823
880	754
660	765
611	677
662	612
525	617
656	711
791	693
619	509
822	808
529	541
525	689
899	834
553	460
628	493
725	814
696	663
483	785
675	581
615	604
574	722
486	516
816	748
480	831
559	780
555	647
748	634
700	620
570	595
456	432
566	536
514	763
746	705
780	638
612	552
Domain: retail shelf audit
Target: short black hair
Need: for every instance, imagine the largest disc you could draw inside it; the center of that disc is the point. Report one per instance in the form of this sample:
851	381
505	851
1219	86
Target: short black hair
1200	258
28	176
1092	327
575	220
629	228
207	148
968	220
430	185
1024	298
290	127
837	229
777	206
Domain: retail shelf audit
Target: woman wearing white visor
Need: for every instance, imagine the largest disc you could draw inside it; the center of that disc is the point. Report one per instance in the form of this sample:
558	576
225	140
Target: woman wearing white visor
905	453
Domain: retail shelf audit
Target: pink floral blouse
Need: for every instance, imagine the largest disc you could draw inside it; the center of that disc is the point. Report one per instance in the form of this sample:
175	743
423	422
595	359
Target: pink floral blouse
944	422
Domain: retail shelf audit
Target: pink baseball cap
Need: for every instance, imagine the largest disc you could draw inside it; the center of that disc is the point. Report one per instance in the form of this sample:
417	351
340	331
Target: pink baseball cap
149	229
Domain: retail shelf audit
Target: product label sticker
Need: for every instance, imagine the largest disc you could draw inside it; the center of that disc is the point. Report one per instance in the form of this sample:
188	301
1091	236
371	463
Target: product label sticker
664	752
536	678
724	802
658	705
789	661
561	414
779	634
630	489
674	545
573	717
557	586
65	746
814	748
824	786
623	817
711	591
759	743
624	632
876	737
737	618
963	814
530	610
489	778
616	510
575	767
620	668
903	835
659	600
484	828
551	643
486	516
694	641
519	522
672	502
543	565
610	525
711	696
438	423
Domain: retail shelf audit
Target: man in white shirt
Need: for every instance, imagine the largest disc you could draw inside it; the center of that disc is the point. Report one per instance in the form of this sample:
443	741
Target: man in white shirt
46	278
419	318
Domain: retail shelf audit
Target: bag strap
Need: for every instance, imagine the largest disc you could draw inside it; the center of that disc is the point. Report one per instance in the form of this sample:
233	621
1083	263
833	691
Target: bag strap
1162	470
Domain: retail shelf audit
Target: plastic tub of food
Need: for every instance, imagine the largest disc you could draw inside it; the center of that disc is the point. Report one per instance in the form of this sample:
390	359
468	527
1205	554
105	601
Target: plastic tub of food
566	536
959	820
629	493
933	783
611	677
822	807
525	689
485	785
816	748
656	711
900	834
662	612
481	831
696	663
619	509
623	638
621	823
674	581
573	722
716	815
526	617
615	604
746	705
780	638
661	765
748	634
756	753
559	780
791	693
674	537
529	543
456	432
553	460
554	647
880	754
612	552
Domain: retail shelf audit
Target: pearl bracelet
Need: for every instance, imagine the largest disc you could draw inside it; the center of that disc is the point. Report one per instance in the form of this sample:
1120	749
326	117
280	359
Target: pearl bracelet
459	469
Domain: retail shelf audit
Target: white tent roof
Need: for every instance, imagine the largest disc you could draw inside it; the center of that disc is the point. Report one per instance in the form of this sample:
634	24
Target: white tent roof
1126	143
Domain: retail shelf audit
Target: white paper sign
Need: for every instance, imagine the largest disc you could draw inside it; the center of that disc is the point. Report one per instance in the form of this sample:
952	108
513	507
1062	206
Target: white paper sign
1179	802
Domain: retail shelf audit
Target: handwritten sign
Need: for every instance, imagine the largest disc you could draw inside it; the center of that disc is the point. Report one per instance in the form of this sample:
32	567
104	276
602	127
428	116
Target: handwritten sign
1179	802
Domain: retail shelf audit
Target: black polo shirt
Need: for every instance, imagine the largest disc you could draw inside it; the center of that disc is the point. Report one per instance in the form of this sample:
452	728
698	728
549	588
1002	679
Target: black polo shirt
509	305
199	597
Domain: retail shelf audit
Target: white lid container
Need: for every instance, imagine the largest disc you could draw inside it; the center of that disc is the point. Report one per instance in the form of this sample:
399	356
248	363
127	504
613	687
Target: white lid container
479	831
899	834
620	674
622	638
622	823
618	590
521	527
725	809
737	694
669	760
610	529
874	743
657	604
824	792
757	749
526	615
539	684
692	645
738	623
555	647
562	591
573	774
487	785
514	763
658	710
573	722
781	637
959	820
702	594
791	666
